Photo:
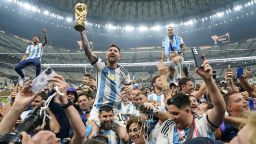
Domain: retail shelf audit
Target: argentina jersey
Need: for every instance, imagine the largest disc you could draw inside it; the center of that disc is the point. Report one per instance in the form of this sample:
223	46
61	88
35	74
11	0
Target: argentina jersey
34	51
109	83
111	135
157	98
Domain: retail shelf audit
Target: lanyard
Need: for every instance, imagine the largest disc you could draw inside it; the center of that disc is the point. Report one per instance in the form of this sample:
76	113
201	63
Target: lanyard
182	134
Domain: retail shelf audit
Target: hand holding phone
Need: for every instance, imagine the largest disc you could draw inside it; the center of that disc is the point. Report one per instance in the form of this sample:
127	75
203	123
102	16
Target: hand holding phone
198	57
42	80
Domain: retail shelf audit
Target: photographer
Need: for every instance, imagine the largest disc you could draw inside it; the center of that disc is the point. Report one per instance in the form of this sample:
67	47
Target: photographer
25	96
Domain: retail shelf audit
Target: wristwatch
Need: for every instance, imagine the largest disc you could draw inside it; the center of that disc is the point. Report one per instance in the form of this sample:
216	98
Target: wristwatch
65	106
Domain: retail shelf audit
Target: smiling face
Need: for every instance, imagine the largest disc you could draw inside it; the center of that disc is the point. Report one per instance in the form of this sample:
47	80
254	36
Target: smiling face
113	55
35	39
136	133
179	116
106	119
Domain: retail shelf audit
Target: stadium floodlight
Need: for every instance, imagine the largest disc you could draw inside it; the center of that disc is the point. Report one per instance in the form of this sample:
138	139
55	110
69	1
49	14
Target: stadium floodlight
129	28
190	22
237	8
156	28
142	28
46	12
69	19
220	14
110	27
27	6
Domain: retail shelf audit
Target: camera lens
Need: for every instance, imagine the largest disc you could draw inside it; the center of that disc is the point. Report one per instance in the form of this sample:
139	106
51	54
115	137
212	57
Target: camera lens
48	71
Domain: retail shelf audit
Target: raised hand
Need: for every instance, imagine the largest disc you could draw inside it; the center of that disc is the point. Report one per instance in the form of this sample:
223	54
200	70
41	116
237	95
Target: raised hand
206	71
25	97
44	31
62	86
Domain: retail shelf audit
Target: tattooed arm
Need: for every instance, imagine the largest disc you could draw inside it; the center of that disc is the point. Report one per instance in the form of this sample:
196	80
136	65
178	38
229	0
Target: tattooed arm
90	55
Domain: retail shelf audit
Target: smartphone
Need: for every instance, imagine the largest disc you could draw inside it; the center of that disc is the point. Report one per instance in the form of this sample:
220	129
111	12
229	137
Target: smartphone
214	74
198	57
42	80
240	72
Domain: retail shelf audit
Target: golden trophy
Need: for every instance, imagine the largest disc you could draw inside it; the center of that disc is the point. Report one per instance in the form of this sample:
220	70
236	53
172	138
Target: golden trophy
80	13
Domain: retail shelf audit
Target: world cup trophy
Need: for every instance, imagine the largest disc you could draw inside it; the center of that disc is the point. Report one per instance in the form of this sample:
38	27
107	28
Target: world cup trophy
80	14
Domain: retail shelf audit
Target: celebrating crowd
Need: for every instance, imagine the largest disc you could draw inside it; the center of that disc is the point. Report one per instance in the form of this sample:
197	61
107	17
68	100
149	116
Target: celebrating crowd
112	110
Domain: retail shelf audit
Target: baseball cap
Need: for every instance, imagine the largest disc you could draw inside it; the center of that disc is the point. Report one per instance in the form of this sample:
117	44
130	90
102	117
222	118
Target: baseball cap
72	90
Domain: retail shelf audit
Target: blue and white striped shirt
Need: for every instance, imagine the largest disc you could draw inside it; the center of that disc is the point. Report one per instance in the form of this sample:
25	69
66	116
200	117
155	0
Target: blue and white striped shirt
34	51
109	83
157	98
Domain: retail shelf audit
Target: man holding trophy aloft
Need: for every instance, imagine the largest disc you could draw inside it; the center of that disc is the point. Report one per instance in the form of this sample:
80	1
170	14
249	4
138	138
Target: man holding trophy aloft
111	79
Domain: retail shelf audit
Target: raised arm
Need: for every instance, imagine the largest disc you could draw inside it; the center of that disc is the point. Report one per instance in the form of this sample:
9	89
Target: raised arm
90	55
215	115
45	37
72	114
246	86
22	99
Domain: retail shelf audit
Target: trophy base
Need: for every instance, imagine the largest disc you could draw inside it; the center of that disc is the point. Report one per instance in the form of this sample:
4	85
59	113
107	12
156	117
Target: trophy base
79	27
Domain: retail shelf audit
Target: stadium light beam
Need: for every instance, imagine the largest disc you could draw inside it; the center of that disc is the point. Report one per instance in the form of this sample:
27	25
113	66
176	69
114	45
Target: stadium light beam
69	19
142	28
156	28
129	28
46	12
220	14
111	27
237	8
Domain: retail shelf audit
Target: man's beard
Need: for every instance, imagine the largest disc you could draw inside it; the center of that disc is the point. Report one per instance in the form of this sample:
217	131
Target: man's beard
112	60
106	127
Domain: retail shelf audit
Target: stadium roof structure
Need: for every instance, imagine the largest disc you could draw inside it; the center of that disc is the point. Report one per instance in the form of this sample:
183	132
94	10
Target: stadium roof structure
142	10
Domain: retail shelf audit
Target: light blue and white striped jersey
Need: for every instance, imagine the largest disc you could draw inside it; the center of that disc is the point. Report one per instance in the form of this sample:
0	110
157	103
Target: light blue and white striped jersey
109	83
111	135
170	134
130	109
157	98
34	51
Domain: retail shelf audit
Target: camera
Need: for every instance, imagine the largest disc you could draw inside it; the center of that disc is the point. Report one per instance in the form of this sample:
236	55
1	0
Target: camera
42	80
33	120
144	110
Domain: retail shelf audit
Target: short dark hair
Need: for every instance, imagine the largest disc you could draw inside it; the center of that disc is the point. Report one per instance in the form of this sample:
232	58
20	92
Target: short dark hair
227	96
99	139
154	80
87	75
180	100
183	81
141	93
87	94
114	45
37	36
105	108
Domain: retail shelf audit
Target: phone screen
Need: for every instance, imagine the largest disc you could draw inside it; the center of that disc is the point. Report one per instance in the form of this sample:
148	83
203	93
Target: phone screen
240	72
198	57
